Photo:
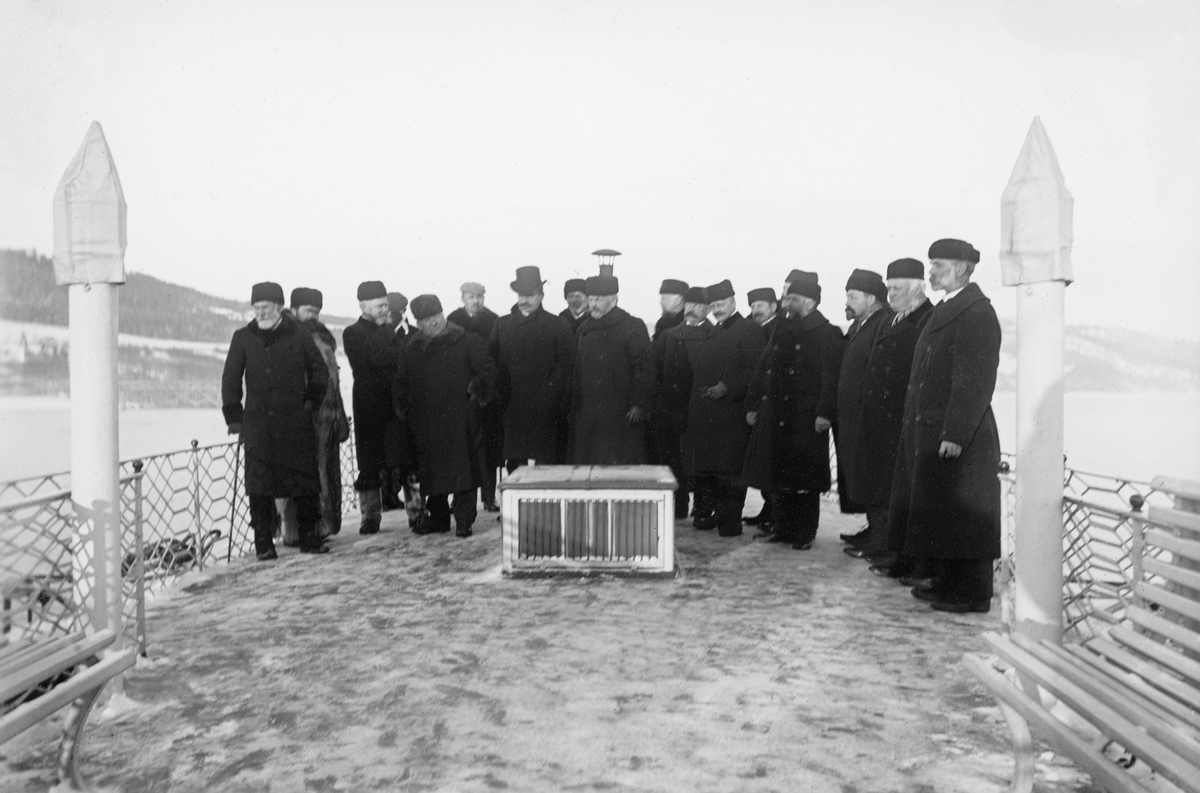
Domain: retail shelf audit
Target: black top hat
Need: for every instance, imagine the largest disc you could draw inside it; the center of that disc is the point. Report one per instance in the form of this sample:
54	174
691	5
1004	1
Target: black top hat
529	281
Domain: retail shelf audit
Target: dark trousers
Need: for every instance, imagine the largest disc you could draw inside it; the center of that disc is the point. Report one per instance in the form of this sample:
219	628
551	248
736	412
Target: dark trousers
765	515
877	520
704	495
463	508
728	496
368	478
262	521
796	515
964	580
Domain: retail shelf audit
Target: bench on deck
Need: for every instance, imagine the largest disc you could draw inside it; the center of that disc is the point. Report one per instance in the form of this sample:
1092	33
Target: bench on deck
1138	687
40	677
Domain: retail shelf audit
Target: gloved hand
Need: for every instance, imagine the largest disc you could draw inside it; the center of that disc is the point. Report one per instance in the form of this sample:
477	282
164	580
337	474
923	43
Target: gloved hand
235	428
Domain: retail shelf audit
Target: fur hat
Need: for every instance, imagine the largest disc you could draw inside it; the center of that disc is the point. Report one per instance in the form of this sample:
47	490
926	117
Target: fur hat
765	294
806	284
720	291
371	290
268	291
672	286
957	250
602	285
303	296
425	306
906	268
574	285
695	294
868	282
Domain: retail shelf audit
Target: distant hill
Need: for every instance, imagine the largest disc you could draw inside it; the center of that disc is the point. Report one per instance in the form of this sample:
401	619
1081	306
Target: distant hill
149	306
1097	359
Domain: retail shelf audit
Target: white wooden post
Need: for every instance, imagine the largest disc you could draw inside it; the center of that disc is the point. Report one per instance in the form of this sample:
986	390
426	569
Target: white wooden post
89	258
1035	257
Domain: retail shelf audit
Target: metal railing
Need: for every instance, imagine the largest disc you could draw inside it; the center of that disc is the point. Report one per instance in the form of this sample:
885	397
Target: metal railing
40	591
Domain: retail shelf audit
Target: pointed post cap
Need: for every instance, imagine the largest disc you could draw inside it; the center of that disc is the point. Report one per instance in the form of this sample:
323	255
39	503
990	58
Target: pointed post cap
1036	216
89	217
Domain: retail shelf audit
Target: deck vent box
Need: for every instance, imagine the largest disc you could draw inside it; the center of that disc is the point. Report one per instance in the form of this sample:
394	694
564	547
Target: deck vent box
588	519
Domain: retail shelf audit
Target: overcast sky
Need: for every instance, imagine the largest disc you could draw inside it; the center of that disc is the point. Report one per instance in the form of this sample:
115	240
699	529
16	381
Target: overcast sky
427	143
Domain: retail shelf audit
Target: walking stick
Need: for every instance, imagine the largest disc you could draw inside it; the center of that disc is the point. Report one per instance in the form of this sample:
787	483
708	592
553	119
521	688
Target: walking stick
237	466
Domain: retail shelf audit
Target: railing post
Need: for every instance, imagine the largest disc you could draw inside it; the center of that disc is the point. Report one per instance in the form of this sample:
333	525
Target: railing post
1035	257
139	562
196	527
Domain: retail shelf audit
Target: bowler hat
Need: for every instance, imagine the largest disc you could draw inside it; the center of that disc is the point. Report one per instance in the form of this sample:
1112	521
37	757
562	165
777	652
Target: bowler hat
720	291
806	284
529	281
906	268
868	282
765	294
268	291
371	290
672	286
425	306
957	250
303	296
574	285
602	285
695	294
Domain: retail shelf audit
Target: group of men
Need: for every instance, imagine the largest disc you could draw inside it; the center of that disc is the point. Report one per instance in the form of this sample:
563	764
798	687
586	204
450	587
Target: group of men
727	401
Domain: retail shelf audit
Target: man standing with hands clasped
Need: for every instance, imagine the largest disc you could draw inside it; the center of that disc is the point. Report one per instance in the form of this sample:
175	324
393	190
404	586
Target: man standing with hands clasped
945	494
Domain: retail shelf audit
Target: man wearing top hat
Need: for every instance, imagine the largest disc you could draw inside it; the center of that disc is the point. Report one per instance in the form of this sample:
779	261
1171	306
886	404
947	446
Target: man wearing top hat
885	384
714	444
285	381
945	495
764	308
575	293
613	382
534	351
670	298
791	405
443	379
867	309
674	352
474	317
373	364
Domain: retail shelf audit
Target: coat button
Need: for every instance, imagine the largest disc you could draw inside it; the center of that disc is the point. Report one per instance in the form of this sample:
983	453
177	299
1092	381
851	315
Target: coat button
786	397
797	346
781	423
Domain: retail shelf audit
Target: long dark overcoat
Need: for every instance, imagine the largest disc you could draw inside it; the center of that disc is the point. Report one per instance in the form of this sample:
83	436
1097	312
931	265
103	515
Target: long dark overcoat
795	381
573	322
285	380
439	384
885	383
372	359
534	355
950	507
716	436
848	434
482	325
673	352
613	372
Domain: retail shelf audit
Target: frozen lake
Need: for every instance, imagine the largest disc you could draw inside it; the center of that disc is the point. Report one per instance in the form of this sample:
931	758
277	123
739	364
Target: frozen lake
1135	435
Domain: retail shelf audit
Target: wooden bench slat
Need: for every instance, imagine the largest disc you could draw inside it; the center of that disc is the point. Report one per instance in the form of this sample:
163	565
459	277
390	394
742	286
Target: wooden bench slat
30	652
29	676
1176	545
1180	634
1178	575
1102	770
1175	693
1168	762
30	713
1176	518
1160	723
1169	658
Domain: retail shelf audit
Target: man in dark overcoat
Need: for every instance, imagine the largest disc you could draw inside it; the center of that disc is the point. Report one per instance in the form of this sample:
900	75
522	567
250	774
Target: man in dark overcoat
714	445
373	363
575	293
866	307
534	351
670	299
444	376
791	404
285	380
474	317
613	381
764	309
674	352
884	386
945	493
